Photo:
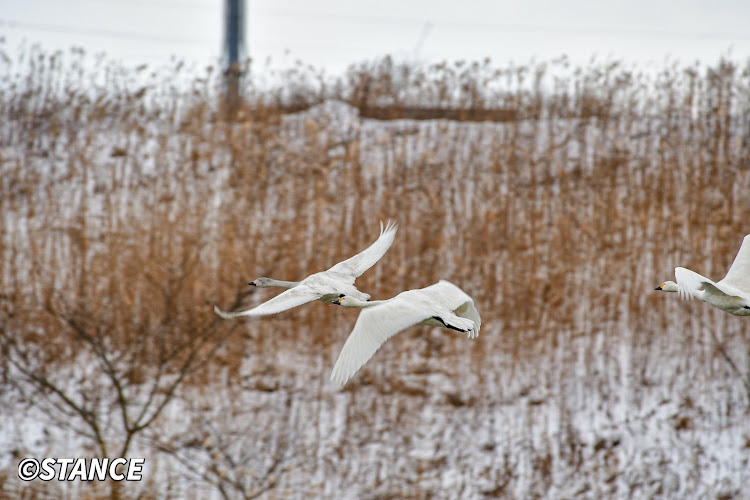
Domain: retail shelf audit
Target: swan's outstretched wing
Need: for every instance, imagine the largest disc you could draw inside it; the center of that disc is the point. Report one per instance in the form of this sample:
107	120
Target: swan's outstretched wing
355	266
301	294
689	282
738	275
374	326
455	299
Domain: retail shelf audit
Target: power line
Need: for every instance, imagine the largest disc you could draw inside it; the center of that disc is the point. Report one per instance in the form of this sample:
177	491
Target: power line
167	4
508	27
106	33
367	19
503	27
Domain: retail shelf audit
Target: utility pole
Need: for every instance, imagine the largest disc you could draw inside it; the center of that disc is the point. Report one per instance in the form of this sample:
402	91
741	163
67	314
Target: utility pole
234	51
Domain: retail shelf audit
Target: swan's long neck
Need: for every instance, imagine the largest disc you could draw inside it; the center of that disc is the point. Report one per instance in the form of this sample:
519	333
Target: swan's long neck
282	284
361	304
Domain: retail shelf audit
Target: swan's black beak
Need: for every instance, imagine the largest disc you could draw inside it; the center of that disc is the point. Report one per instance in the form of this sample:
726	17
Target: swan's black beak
252	283
338	301
658	288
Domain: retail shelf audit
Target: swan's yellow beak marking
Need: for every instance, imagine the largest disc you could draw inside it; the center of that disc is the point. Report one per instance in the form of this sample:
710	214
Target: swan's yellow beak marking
338	301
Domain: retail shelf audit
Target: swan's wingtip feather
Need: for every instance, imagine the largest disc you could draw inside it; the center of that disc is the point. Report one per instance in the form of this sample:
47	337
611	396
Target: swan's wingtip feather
338	378
474	332
391	226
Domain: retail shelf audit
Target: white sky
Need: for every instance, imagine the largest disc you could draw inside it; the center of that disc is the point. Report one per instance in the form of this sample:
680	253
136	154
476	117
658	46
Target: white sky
331	34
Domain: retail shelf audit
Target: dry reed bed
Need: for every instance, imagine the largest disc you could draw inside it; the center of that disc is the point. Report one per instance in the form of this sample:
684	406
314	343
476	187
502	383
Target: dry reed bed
130	208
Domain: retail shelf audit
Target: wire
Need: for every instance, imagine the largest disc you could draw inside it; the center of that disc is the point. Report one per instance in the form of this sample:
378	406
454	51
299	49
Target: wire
167	4
259	12
513	27
58	28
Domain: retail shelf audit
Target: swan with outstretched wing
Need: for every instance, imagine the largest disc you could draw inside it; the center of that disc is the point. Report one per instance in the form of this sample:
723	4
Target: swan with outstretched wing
326	286
731	294
442	304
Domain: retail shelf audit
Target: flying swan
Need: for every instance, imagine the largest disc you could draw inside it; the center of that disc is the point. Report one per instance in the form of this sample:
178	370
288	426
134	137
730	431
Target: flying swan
326	286
732	294
382	319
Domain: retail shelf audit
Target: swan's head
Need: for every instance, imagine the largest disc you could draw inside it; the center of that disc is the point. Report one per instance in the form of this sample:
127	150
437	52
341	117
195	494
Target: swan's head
346	301
262	282
667	286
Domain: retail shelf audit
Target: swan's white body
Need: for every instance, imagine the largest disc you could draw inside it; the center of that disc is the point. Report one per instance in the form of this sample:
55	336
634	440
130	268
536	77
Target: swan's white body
326	286
382	319
731	294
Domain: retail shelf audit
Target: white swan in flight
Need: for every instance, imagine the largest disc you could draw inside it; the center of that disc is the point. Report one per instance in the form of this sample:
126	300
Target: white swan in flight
326	286
382	319
731	294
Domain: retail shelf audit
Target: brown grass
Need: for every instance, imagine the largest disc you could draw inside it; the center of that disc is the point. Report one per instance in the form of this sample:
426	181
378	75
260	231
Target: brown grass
131	207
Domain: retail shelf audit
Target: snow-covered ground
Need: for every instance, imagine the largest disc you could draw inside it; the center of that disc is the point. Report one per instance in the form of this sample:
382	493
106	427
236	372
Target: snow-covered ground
580	422
601	388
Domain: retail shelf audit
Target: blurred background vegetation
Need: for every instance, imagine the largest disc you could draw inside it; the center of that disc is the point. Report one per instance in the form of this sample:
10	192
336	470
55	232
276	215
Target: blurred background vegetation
557	196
